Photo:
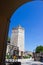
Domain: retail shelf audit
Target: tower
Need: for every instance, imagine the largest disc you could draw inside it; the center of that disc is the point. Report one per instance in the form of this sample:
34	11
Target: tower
17	38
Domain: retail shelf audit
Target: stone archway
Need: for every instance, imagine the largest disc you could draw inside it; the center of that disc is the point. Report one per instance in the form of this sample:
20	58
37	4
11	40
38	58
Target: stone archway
7	7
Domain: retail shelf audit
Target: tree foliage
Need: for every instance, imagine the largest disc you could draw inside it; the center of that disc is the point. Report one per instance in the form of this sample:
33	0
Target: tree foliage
39	49
8	56
8	39
25	57
28	56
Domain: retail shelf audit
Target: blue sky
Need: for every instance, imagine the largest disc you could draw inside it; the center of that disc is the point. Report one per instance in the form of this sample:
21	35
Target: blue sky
29	16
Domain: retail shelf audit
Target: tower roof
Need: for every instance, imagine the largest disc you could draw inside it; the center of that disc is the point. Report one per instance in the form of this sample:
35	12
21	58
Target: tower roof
18	27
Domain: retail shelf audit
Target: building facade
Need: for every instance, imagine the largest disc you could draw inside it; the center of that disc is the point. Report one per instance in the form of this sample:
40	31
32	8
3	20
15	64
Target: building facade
26	53
17	38
38	56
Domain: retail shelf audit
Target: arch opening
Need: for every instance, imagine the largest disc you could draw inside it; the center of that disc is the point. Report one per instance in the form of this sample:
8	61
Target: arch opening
34	23
5	12
6	8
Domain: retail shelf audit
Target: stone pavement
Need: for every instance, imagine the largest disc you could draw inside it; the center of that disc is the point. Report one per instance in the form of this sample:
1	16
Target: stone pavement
27	62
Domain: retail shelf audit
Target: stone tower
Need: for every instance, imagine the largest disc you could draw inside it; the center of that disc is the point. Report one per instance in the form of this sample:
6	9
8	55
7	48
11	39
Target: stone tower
17	38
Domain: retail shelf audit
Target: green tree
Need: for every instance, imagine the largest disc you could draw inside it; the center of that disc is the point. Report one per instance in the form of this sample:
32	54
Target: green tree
8	56
25	57
8	39
39	49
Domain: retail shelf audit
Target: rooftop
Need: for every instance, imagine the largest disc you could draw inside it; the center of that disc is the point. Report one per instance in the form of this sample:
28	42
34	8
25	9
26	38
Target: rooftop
18	27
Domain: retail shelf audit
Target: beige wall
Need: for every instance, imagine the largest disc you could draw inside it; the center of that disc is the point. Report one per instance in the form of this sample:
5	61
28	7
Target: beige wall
17	38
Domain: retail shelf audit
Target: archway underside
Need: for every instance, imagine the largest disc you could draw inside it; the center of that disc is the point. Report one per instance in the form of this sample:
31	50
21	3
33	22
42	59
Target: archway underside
7	7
